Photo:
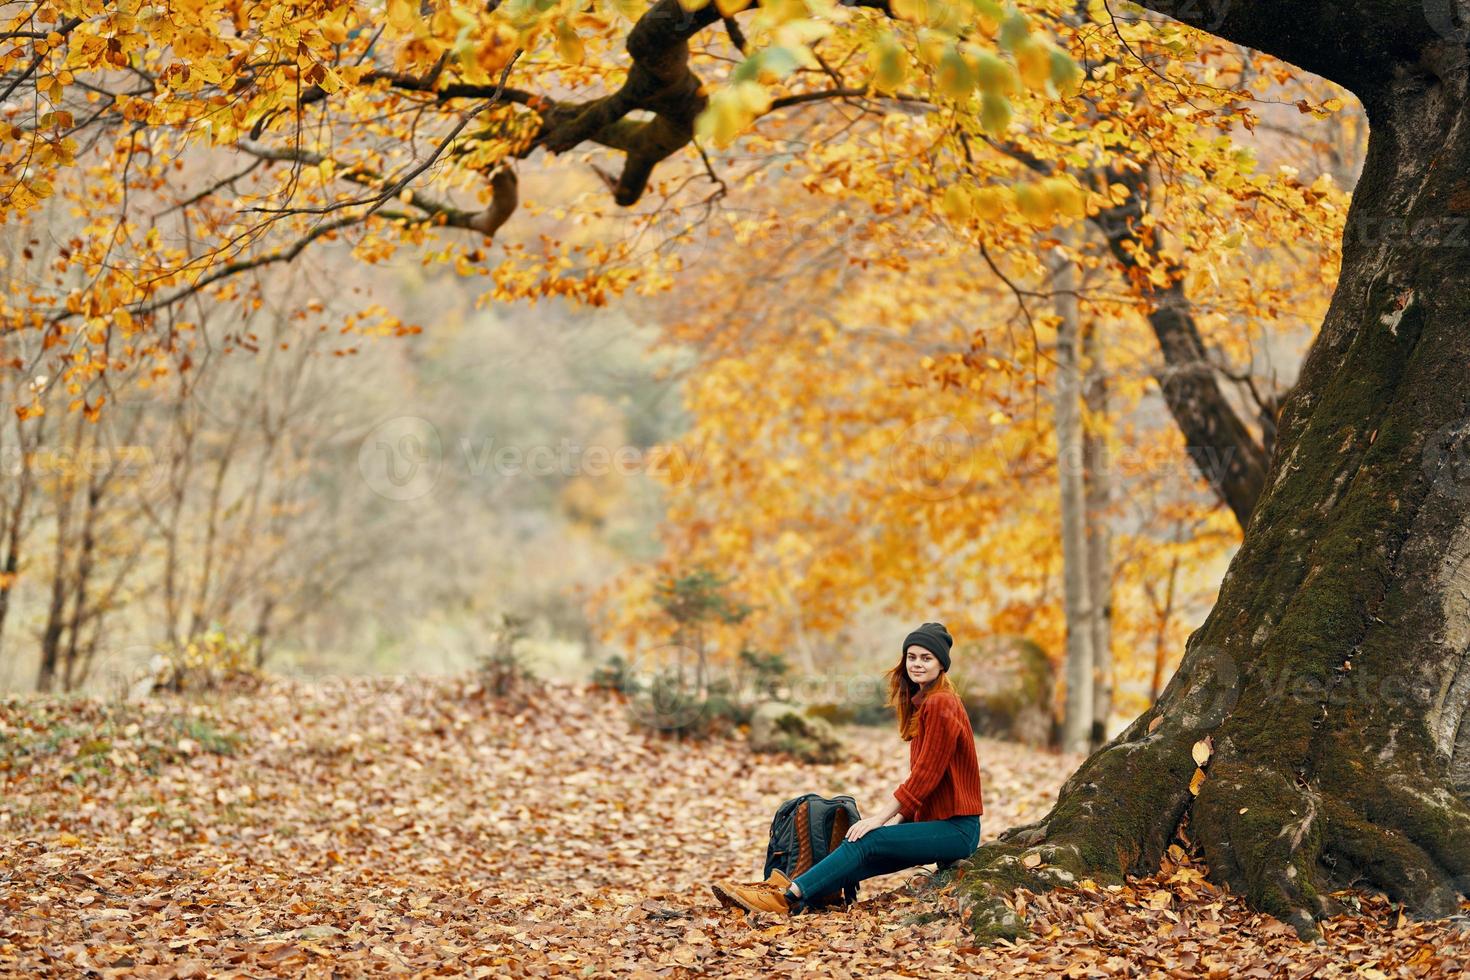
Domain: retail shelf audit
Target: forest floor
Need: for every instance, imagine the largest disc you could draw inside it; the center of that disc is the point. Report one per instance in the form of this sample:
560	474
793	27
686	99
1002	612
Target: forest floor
372	826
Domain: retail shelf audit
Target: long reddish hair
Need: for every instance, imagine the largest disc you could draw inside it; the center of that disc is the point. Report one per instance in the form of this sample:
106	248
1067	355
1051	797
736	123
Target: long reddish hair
901	691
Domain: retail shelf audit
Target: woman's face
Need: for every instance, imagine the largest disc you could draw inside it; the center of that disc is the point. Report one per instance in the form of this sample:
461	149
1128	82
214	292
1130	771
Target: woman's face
922	665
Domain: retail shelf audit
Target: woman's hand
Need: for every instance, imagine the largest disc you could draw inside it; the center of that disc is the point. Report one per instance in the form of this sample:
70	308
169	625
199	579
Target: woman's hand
862	827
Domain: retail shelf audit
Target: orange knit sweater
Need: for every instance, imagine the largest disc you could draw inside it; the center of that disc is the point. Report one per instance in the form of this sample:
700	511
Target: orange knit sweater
944	777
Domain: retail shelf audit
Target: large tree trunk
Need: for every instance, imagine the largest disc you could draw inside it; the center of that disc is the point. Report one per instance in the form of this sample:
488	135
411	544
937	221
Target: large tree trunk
1333	673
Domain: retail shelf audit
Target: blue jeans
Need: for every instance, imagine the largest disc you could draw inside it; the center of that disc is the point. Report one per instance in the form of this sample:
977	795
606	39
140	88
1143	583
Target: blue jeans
885	850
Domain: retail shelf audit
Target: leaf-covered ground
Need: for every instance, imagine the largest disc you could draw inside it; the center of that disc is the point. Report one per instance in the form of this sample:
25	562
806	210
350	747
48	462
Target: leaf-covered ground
421	827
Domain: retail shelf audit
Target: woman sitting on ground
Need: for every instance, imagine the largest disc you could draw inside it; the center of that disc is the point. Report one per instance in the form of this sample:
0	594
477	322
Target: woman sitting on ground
933	817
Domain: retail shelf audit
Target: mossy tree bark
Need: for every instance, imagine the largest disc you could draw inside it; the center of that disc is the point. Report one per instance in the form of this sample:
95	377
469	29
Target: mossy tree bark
1333	674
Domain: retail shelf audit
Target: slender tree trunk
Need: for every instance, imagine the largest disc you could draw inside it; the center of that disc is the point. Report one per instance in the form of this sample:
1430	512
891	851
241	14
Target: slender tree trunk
96	485
17	519
700	666
200	607
1333	674
1077	721
1098	489
262	629
180	473
80	583
51	634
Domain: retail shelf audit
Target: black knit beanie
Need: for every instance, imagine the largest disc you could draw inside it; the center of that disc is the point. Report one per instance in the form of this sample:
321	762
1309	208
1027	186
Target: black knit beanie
932	637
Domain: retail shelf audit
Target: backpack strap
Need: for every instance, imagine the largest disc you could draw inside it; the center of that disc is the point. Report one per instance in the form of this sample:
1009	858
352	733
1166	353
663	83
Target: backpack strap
840	826
803	837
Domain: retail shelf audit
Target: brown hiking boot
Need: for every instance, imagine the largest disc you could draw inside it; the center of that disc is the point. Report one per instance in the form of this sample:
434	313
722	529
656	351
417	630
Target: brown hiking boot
755	896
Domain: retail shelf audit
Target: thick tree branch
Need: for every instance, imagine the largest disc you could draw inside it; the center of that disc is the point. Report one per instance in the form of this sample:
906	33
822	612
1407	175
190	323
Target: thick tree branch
659	81
1217	440
487	221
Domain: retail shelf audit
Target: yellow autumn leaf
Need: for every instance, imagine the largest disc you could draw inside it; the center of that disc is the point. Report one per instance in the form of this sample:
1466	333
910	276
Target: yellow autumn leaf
207	69
913	11
990	203
730	110
631	9
993	73
995	113
330	81
1034	205
783	11
754	97
568	44
403	16
1064	196
955	79
1197	781
931	46
888	62
956	203
1033	61
988	15
1066	74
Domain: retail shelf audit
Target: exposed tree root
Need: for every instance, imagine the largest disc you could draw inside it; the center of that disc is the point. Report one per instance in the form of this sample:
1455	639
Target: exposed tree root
1281	844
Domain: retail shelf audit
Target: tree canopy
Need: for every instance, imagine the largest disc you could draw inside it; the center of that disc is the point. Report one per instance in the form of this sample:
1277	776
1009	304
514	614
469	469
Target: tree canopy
394	125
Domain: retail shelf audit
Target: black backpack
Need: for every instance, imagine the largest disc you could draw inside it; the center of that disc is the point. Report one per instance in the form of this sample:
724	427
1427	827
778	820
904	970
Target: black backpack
805	830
